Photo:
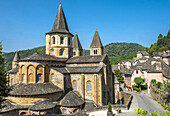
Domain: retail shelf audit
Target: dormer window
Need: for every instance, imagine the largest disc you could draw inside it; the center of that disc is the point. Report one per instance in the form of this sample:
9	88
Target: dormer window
53	40
95	51
61	40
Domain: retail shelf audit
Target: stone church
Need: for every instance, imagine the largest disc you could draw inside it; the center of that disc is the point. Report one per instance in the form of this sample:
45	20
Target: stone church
61	81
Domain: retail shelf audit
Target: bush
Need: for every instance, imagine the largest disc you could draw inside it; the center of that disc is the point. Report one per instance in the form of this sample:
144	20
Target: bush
109	107
124	85
135	87
159	85
144	87
153	81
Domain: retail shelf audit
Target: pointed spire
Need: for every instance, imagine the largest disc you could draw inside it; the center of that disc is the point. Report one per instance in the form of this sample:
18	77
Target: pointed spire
60	24
96	43
76	43
16	57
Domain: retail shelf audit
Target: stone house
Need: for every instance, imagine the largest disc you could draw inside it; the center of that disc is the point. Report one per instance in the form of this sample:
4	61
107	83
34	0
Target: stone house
151	68
62	80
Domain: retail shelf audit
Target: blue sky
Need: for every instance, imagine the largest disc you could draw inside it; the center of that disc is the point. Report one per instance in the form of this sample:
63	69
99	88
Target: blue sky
23	23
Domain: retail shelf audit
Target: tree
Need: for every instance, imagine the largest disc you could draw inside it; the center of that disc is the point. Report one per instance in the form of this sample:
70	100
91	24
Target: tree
139	81
160	36
4	89
118	75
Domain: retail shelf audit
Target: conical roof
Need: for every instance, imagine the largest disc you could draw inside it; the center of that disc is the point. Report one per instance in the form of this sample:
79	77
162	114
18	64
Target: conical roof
71	99
60	24
16	57
96	43
76	43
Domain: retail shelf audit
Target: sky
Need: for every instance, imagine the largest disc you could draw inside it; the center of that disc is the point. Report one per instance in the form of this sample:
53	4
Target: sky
23	23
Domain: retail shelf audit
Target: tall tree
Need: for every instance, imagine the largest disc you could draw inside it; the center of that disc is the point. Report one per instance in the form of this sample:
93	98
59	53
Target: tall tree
4	89
160	36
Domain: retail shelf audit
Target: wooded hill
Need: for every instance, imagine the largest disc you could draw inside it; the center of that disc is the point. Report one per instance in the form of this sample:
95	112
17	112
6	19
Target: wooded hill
115	51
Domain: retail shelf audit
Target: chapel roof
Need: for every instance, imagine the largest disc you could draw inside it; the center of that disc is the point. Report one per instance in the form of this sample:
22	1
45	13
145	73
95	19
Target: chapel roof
86	59
71	99
34	89
43	105
13	71
43	57
84	69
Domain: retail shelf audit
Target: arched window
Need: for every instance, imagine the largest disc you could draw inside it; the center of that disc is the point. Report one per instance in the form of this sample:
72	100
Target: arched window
74	85
23	78
53	40
52	77
12	81
61	52
95	51
39	77
61	40
89	86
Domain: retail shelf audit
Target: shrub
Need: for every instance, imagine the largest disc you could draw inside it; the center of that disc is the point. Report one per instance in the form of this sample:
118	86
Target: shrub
109	107
135	87
159	85
124	85
144	87
153	81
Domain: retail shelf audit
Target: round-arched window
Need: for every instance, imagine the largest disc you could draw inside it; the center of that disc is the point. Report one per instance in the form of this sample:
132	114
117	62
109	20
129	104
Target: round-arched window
74	85
23	78
89	86
39	78
52	77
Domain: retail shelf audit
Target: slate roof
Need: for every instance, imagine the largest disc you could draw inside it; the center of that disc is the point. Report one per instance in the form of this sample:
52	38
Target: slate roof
86	59
89	105
87	69
60	69
96	43
114	67
144	53
16	57
34	89
60	24
71	99
76	43
42	57
157	54
13	71
43	105
9	106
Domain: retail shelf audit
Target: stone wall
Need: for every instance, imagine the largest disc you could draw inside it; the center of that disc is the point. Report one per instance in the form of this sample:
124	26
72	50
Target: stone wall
159	95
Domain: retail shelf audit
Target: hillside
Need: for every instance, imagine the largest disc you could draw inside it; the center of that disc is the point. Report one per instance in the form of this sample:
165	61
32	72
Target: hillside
115	51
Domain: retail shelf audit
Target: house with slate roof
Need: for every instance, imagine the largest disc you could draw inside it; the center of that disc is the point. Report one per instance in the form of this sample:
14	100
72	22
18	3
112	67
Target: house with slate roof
147	68
62	81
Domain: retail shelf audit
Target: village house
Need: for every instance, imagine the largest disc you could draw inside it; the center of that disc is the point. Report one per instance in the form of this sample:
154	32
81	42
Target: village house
144	66
61	81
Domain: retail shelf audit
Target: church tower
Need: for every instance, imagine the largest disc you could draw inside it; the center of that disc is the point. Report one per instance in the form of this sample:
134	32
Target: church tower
15	60
96	47
59	39
77	48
